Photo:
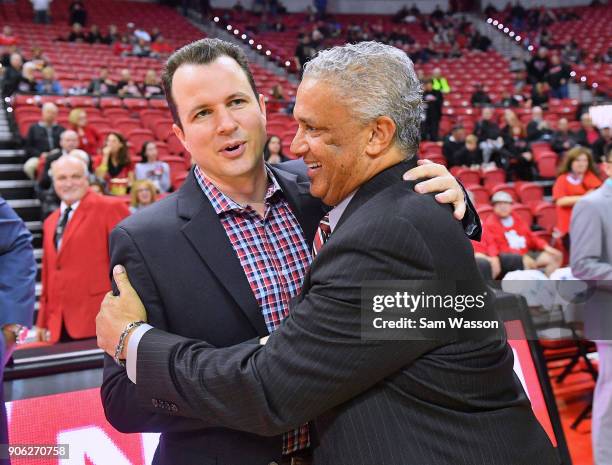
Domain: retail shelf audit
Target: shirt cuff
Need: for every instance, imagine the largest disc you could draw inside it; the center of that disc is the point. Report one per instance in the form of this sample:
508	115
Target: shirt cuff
132	352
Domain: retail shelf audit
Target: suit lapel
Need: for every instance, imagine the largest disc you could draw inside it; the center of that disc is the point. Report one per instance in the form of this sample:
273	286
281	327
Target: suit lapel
208	237
373	186
77	219
306	209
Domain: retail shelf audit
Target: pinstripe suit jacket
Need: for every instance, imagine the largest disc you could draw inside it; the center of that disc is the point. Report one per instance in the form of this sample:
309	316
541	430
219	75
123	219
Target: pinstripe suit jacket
373	402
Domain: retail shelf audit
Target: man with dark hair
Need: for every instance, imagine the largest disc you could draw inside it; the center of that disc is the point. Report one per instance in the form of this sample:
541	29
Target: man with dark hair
240	232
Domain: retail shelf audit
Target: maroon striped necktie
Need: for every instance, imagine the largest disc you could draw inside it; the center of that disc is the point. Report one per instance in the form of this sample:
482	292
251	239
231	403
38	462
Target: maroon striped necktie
323	233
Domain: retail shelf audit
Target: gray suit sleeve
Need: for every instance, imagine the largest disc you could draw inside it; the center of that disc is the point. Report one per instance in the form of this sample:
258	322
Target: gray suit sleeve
587	237
118	392
315	361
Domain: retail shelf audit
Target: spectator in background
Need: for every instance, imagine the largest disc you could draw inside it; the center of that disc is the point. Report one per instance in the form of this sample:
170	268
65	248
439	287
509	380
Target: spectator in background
12	75
38	58
155	33
77	34
103	84
508	234
27	84
577	176
490	137
439	82
112	35
116	167
273	151
143	194
78	13
521	164
7	37
160	47
601	145
127	87
122	46
304	51
470	155
452	144
538	66
480	97
79	229
433	100
151	87
94	36
591	260
562	139
89	138
539	95
41	11
588	133
538	129
43	136
141	48
48	84
156	171
69	141
558	78
17	294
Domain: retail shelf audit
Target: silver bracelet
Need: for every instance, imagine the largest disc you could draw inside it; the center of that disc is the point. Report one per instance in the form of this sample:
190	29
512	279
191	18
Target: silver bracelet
121	343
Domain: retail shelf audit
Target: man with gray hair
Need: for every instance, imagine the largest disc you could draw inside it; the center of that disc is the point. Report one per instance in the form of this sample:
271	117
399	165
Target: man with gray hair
75	254
373	401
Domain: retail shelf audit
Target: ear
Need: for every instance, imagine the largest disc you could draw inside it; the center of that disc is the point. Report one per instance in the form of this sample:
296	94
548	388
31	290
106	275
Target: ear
381	136
178	132
262	106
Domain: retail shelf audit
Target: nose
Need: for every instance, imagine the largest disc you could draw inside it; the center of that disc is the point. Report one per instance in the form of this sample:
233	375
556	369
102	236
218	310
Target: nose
298	145
226	124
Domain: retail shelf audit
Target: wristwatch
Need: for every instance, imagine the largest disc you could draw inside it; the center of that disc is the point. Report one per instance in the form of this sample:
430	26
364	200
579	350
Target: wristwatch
18	331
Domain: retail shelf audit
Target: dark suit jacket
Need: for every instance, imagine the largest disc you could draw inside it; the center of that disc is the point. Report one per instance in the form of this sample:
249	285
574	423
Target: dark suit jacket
17	279
181	262
37	142
374	402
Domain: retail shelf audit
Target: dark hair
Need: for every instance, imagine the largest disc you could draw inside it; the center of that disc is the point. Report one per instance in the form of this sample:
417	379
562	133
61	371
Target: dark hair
267	150
201	52
124	158
143	150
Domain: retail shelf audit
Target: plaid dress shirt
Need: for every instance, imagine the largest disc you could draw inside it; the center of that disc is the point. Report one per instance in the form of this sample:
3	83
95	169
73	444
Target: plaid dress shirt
273	255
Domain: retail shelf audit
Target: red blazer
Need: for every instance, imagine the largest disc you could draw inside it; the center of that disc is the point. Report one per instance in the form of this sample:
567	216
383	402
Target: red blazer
89	139
75	280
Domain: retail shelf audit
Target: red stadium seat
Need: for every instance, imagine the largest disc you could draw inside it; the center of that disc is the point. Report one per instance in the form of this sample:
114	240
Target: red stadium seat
480	194
135	103
530	193
126	125
547	165
493	177
139	136
110	102
161	128
524	212
468	176
484	212
174	144
546	215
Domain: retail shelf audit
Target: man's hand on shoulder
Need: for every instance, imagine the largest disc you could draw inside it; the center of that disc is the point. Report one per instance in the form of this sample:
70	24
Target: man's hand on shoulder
438	179
116	312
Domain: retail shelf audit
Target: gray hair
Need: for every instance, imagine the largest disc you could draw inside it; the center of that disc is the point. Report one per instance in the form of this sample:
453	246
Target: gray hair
375	80
71	157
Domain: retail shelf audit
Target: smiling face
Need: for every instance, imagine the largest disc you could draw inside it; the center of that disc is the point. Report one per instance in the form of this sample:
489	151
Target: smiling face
70	179
223	121
580	164
331	140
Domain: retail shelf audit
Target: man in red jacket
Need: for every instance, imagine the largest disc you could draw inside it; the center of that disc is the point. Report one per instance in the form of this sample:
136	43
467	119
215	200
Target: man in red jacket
75	254
507	233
